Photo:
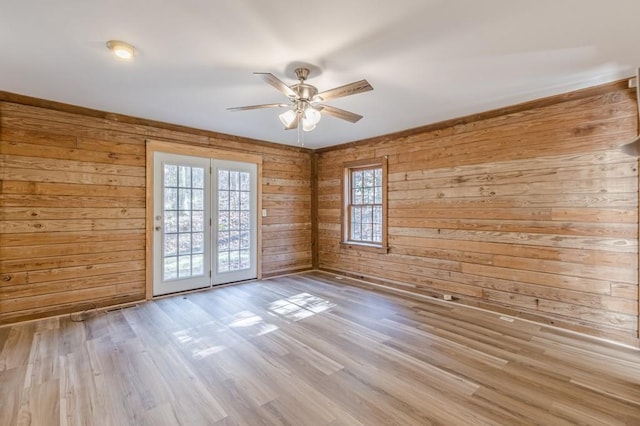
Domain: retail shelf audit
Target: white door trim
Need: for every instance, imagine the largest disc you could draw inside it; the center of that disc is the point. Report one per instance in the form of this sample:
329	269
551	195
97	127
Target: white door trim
198	151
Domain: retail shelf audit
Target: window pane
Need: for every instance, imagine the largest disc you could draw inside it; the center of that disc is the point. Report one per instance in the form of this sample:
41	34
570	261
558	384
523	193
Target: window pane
223	261
184	199
170	244
367	215
197	221
234	220
234	180
197	264
244	220
245	259
170	199
223	241
234	200
245	201
184	176
357	180
184	222
368	196
356	232
357	197
378	195
234	260
184	243
357	214
223	221
367	177
377	233
234	240
197	242
197	177
184	266
245	183
170	175
367	232
377	214
170	268
170	221
223	179
223	200
378	177
197	200
245	240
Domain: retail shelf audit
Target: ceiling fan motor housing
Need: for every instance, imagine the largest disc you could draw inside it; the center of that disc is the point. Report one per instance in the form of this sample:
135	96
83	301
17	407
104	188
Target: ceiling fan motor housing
305	92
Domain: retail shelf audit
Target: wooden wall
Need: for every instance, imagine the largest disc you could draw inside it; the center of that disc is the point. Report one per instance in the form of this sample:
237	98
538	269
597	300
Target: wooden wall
530	211
72	205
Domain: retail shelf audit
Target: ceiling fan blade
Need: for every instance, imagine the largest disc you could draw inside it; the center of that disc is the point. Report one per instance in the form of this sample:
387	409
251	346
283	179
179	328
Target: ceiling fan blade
277	83
346	90
244	108
341	114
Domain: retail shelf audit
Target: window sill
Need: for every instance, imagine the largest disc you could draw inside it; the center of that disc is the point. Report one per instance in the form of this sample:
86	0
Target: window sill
365	247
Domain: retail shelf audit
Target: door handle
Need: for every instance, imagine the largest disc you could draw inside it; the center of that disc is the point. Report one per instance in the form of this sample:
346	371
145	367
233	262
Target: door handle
158	228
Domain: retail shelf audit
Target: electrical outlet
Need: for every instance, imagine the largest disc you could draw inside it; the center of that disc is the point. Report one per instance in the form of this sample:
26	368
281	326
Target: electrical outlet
264	212
447	297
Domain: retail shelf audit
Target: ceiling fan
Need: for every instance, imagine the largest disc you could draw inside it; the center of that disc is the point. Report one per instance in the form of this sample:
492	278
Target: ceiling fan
305	103
633	147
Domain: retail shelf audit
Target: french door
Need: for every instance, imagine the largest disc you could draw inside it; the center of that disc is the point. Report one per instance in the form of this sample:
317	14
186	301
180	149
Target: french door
205	222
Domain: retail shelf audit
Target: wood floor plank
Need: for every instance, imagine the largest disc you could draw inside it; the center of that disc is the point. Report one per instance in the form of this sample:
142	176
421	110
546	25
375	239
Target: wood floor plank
309	349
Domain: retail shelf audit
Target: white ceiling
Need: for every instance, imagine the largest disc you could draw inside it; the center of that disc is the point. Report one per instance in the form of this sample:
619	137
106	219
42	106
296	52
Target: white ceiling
428	60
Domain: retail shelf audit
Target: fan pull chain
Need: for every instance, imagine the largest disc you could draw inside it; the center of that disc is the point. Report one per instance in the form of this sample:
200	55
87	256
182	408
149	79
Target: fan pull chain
300	133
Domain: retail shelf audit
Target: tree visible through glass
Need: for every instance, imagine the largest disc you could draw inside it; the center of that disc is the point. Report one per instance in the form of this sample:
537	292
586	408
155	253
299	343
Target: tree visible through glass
234	221
366	205
183	244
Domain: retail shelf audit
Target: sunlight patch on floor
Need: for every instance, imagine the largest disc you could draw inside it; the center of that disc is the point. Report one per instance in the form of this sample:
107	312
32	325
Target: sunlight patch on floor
300	306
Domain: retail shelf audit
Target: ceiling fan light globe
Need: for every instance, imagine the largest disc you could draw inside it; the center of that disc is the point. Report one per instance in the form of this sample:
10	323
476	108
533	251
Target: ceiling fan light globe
287	118
312	115
307	125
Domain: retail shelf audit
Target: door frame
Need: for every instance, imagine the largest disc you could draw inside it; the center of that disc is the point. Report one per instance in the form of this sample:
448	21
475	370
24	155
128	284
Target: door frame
153	146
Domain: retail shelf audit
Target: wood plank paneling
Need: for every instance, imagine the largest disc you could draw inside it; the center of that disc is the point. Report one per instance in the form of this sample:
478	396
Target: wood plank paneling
72	205
531	210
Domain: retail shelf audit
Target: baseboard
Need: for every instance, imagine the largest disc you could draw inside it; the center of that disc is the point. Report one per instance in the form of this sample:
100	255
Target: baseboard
405	290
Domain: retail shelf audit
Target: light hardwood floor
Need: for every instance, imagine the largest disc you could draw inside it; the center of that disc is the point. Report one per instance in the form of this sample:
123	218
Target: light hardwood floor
309	349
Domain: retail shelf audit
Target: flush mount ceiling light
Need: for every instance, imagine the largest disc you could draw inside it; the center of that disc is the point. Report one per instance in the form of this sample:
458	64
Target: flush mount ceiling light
121	49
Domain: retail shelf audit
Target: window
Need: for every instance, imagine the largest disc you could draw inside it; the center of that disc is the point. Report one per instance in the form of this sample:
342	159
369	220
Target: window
365	204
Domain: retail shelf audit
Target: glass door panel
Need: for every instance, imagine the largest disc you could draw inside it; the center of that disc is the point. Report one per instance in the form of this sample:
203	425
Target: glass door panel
182	209
235	230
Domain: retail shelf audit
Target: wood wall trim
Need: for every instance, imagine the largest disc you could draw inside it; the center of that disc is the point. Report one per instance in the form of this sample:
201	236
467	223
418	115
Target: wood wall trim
200	151
345	190
511	109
